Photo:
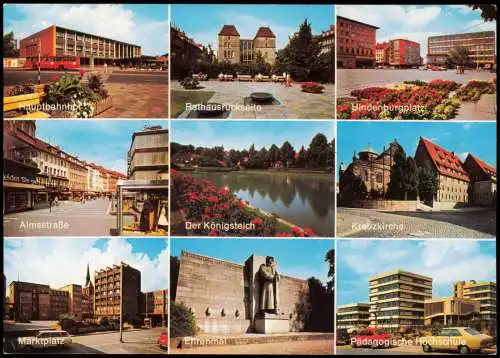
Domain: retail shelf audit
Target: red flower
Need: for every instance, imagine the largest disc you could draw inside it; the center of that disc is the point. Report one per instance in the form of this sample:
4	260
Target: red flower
309	232
296	230
283	234
256	222
223	192
54	78
213	199
214	232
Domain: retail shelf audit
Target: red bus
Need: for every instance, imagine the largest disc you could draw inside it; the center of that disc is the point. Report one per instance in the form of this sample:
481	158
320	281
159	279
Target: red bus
54	63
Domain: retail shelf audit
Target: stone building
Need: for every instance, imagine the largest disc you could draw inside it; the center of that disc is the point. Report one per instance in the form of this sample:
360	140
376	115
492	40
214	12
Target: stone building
452	178
233	49
224	296
483	178
373	168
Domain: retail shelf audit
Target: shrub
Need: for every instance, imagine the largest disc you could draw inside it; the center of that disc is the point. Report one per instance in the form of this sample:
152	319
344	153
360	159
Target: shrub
190	83
417	83
182	321
96	85
312	87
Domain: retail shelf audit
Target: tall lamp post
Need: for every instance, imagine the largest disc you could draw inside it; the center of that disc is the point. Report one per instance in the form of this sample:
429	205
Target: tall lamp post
121	303
39	57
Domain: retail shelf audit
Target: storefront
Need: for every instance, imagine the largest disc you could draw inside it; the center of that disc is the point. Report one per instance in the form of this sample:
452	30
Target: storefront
20	196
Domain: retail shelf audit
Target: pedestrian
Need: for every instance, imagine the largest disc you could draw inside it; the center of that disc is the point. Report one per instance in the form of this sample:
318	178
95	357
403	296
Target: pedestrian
288	80
105	67
56	201
82	73
50	205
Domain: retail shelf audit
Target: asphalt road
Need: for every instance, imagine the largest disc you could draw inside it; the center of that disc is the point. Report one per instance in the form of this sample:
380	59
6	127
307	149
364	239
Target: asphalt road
88	219
12	78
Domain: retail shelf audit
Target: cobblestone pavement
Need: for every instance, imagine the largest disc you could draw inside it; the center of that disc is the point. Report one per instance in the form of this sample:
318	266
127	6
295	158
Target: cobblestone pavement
137	96
304	347
355	222
294	103
484	109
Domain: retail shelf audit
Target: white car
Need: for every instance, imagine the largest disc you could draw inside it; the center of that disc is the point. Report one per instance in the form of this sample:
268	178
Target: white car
46	339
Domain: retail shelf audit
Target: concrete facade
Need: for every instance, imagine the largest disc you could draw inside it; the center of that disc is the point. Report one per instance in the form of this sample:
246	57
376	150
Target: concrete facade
353	315
223	296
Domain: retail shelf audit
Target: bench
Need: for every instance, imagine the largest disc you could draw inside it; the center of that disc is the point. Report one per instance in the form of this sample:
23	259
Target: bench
244	78
263	78
23	101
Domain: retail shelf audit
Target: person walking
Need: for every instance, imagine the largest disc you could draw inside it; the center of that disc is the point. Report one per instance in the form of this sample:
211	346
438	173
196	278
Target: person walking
50	204
105	67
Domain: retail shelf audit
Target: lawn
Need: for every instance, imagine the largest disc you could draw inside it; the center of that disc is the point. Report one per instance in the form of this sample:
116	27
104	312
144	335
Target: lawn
178	100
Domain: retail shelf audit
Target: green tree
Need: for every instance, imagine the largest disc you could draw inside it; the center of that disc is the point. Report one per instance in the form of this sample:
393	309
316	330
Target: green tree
9	45
427	184
488	11
318	150
287	154
459	56
410	179
300	56
182	321
396	187
351	187
302	158
330	258
273	154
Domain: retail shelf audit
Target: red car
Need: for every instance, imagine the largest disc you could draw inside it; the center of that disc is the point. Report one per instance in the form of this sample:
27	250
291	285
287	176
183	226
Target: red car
375	338
163	340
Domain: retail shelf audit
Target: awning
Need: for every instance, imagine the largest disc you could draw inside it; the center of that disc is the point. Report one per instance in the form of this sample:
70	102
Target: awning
15	185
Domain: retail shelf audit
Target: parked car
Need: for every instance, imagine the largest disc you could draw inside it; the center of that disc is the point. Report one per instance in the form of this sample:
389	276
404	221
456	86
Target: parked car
342	338
460	339
355	330
46	339
375	338
163	340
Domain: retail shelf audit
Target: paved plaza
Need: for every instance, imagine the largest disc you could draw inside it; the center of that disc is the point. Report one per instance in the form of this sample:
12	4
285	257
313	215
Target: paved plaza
91	218
484	109
293	103
314	347
137	95
357	222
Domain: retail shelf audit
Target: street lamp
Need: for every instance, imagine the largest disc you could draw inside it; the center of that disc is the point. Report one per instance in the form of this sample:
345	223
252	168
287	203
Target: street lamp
121	303
39	57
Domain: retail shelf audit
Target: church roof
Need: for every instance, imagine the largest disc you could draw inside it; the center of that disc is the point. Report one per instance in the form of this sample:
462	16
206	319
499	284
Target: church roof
446	163
229	30
264	31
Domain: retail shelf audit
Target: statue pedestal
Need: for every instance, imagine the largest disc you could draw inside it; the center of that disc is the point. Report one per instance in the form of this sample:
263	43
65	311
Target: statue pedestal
272	323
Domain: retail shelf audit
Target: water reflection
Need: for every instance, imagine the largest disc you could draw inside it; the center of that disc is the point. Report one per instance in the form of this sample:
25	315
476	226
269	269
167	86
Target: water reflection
303	199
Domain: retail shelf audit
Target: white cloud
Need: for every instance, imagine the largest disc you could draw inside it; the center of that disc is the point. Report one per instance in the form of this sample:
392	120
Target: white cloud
108	20
446	261
58	262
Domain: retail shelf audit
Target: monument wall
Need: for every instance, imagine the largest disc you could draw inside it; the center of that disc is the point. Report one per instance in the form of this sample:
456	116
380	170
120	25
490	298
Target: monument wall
220	297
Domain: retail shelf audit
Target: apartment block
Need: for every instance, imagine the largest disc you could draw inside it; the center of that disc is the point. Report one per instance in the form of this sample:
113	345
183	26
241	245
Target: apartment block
397	299
353	315
120	283
448	311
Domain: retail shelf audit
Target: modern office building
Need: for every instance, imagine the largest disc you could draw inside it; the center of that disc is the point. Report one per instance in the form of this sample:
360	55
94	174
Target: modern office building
480	45
148	154
355	43
398	53
154	305
115	285
353	315
449	311
482	292
397	299
233	49
91	49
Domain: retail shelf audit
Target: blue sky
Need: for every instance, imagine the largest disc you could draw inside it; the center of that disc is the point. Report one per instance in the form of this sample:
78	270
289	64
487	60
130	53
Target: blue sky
143	25
417	22
446	261
203	22
61	261
462	138
242	134
104	142
297	258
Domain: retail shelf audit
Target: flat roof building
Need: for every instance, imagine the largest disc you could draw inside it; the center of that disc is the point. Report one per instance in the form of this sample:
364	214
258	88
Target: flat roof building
59	41
353	315
484	292
397	299
480	45
355	43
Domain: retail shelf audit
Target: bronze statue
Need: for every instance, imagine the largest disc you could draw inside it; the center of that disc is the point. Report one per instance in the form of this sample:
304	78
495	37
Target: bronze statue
268	278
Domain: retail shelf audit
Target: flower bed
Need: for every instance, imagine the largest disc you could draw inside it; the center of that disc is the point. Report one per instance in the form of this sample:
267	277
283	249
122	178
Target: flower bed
203	202
473	90
410	100
312	87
